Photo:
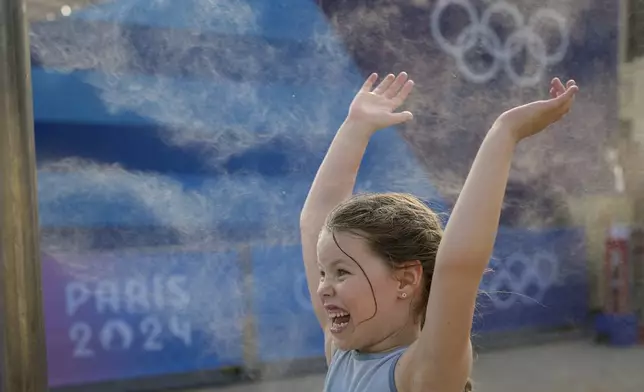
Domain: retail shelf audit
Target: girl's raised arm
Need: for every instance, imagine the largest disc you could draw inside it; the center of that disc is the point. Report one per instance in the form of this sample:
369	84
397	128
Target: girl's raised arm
371	110
441	359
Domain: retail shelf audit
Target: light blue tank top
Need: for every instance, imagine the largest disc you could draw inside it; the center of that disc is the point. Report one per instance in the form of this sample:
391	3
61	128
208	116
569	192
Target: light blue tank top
351	371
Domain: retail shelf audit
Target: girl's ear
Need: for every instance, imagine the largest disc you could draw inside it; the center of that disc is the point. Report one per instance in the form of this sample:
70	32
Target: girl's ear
409	276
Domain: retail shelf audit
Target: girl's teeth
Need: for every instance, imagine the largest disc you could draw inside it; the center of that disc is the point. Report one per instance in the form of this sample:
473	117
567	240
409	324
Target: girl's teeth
338	327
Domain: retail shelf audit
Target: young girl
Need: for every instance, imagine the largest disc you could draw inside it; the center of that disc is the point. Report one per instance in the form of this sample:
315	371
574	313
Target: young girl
371	259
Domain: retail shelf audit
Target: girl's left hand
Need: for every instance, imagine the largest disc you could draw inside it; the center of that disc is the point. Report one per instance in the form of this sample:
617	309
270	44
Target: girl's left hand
532	118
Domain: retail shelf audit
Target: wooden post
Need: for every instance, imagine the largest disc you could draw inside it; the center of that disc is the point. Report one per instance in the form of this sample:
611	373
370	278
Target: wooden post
24	361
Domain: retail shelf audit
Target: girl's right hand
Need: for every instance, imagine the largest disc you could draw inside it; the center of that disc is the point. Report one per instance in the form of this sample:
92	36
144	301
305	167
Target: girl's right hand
374	108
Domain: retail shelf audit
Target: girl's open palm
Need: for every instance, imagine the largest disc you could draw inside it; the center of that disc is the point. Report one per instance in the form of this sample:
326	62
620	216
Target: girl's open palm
532	118
375	108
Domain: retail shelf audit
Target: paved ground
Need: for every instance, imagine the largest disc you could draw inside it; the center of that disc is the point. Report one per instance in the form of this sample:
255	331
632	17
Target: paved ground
559	367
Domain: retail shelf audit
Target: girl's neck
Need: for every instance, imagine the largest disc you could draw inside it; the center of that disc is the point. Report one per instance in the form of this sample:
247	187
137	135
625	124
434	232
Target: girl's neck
401	338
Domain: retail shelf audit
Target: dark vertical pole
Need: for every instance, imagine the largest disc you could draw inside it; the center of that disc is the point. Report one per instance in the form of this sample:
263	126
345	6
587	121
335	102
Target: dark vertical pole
249	327
22	335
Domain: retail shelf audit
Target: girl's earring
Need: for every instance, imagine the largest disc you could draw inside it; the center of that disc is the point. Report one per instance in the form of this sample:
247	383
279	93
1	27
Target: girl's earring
404	295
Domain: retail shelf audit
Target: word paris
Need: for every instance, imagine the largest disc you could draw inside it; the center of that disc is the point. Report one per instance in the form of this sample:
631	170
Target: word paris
145	313
131	296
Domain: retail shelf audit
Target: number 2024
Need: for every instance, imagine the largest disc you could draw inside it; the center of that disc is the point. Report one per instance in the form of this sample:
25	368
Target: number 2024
150	327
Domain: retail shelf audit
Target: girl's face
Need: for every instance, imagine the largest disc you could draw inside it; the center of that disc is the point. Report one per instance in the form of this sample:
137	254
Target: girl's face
362	297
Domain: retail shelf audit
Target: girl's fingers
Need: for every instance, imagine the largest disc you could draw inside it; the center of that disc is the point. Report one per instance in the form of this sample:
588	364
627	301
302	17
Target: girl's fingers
368	84
403	93
384	85
395	87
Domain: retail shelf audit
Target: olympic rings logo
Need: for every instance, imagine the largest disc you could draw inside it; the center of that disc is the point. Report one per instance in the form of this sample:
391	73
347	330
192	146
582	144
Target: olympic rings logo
539	272
480	30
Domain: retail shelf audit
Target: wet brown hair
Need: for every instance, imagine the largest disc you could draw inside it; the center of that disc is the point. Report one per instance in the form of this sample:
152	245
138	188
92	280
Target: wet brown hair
398	227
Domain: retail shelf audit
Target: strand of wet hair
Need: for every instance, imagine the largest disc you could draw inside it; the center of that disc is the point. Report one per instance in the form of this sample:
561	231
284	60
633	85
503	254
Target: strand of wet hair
373	293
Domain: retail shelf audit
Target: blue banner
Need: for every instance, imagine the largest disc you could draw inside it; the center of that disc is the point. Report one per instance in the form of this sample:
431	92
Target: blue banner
123	315
197	125
537	279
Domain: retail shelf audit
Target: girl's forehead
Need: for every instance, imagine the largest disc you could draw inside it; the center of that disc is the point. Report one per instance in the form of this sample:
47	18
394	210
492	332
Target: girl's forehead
341	242
345	246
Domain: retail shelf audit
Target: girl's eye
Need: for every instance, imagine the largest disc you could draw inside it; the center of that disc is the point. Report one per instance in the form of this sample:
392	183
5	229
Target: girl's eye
321	274
342	272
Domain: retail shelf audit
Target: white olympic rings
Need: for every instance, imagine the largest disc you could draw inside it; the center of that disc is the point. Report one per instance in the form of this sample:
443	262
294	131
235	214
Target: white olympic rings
540	272
502	53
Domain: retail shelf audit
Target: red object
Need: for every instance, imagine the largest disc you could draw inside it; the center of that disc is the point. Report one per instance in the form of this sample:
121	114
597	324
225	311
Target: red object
616	271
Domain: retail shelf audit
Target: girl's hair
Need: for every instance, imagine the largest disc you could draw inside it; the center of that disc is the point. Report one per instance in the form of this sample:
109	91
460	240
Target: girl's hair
398	227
